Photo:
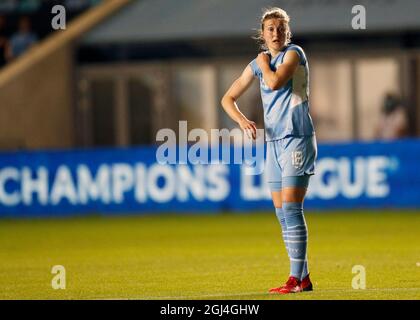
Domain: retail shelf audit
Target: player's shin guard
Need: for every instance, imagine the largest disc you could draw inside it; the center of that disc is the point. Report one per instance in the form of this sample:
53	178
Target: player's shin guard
296	237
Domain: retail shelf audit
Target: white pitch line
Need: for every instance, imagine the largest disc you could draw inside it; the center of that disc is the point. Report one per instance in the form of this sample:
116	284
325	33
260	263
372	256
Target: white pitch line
250	293
190	297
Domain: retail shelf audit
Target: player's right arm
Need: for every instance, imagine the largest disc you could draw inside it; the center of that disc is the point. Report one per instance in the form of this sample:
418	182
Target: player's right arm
229	104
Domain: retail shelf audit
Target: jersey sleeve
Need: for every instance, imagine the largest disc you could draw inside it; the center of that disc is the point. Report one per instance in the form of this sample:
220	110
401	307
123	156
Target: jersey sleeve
254	67
300	52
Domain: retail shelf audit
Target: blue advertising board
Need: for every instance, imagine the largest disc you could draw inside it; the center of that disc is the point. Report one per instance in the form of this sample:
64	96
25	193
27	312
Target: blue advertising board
112	181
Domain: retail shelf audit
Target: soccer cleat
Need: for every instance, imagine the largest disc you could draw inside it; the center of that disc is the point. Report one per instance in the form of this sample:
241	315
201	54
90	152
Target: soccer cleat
306	284
291	286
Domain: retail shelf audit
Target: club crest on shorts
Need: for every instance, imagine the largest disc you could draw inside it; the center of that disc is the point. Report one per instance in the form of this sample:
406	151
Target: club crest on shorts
297	159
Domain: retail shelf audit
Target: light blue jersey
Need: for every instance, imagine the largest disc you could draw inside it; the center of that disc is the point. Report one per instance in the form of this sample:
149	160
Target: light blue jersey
286	110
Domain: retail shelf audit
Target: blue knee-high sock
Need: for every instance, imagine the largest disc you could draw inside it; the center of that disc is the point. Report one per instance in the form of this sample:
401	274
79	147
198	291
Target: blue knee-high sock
282	220
296	238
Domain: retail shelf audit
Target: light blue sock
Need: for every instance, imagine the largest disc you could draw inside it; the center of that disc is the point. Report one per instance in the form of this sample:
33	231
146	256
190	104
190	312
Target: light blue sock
296	238
305	271
282	220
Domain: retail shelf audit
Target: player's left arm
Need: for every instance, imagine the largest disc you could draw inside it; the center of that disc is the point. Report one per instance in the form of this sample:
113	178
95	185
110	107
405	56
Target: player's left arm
277	79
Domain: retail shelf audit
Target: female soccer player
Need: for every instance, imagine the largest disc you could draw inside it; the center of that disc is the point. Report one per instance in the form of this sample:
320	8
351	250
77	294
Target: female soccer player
282	70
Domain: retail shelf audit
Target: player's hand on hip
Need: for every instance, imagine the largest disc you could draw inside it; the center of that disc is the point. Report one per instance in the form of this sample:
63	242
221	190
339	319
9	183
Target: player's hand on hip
249	127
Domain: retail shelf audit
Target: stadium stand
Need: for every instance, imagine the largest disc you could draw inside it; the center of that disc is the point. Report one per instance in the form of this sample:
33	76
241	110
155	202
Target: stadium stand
35	15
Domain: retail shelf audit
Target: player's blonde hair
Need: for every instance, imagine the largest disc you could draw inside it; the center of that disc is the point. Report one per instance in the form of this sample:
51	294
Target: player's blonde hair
273	13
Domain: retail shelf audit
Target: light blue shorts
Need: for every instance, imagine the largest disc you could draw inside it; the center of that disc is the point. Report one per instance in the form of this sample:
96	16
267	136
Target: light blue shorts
290	161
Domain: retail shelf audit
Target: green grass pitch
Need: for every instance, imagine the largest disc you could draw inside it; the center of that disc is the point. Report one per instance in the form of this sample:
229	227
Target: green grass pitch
224	256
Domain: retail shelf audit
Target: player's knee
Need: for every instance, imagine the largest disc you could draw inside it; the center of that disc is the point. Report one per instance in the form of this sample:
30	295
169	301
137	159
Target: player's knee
276	194
294	188
293	213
